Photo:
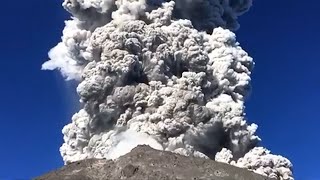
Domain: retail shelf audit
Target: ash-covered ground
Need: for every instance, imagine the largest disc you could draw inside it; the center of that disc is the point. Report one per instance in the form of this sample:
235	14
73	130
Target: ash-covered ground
145	163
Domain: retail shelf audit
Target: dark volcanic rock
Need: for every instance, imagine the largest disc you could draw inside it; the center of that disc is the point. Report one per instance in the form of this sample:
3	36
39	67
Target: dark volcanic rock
145	163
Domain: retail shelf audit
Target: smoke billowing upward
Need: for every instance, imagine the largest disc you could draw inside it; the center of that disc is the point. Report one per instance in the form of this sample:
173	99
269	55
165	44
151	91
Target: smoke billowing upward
169	74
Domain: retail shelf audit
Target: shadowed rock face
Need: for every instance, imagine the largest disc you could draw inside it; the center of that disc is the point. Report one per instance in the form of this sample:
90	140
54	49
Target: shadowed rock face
145	163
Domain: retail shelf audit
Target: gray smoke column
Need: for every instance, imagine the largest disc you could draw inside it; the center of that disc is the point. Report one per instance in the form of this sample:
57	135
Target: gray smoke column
169	74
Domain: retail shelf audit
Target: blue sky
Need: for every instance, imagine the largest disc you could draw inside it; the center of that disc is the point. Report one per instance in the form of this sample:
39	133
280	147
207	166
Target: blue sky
282	38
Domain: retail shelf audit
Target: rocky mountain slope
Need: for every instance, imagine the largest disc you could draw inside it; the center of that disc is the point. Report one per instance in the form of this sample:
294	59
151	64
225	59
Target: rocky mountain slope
145	163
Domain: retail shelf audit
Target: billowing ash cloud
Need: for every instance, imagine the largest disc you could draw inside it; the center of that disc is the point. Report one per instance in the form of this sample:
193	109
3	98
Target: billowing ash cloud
167	74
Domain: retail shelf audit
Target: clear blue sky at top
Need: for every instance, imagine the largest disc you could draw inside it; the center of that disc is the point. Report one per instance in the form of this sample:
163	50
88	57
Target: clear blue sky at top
281	36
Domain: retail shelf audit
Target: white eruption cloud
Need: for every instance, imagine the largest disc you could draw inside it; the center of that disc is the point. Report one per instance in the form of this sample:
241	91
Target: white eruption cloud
169	74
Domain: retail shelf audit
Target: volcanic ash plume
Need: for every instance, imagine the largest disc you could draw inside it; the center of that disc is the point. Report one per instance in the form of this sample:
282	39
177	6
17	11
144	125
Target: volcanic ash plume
166	74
